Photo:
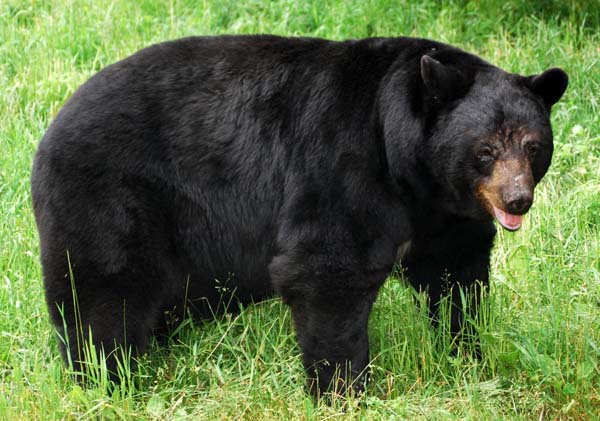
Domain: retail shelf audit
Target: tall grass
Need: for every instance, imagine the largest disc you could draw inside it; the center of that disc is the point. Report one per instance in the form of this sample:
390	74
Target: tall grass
541	331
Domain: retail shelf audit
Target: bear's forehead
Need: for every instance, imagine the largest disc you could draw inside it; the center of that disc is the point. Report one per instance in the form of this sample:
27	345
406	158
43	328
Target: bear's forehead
509	137
501	104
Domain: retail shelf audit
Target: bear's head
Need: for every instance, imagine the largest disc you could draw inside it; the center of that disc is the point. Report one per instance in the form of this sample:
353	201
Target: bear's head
487	135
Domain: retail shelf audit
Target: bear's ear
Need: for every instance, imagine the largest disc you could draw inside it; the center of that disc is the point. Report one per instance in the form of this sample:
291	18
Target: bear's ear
550	85
442	82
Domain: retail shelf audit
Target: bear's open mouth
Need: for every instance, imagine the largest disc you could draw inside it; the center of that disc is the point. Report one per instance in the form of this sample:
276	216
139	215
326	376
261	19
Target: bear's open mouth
507	220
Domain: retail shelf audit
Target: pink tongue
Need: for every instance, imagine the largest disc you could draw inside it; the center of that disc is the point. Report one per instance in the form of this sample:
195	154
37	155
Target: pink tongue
508	221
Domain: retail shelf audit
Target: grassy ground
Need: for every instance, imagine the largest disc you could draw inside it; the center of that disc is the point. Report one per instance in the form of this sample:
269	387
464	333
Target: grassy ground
541	337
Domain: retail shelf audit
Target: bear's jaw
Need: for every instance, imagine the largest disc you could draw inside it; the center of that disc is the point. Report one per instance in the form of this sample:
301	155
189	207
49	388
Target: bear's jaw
492	203
507	220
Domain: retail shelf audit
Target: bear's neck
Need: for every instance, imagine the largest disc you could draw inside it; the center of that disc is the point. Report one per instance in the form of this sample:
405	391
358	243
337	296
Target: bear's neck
403	141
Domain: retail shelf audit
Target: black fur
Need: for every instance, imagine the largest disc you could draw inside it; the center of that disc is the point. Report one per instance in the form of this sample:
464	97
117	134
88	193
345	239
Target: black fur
265	165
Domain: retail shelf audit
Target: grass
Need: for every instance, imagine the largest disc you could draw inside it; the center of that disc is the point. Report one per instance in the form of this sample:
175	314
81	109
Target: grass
541	334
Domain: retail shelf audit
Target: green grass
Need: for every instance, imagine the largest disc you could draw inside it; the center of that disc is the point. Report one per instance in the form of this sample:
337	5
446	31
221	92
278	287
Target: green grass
541	333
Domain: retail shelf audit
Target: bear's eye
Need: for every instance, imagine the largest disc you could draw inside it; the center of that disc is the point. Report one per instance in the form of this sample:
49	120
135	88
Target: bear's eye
485	156
531	149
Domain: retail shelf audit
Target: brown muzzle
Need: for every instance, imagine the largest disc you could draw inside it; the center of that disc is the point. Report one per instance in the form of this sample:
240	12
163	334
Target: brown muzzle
508	192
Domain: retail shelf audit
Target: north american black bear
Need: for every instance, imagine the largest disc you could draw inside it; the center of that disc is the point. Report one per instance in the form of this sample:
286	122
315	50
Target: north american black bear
291	166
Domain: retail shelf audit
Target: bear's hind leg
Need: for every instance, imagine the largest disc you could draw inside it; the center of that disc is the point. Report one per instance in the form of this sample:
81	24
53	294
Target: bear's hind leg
111	316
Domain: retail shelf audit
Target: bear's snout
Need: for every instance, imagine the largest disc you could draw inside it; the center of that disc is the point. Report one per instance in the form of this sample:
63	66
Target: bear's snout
507	193
518	202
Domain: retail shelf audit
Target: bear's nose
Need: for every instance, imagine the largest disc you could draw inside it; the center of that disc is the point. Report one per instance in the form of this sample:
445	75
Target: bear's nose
519	202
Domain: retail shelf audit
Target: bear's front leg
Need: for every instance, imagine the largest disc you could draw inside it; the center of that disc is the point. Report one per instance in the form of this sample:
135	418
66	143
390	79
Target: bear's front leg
330	308
454	262
333	336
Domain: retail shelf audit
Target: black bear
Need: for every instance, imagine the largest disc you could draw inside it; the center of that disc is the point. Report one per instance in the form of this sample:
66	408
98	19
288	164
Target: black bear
293	166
